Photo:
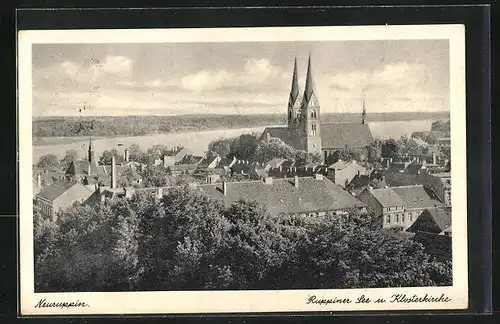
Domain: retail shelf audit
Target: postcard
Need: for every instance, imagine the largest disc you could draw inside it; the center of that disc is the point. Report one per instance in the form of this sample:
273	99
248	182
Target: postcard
242	170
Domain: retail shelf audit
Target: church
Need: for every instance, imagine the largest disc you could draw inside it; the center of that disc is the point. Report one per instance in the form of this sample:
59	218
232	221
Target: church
305	130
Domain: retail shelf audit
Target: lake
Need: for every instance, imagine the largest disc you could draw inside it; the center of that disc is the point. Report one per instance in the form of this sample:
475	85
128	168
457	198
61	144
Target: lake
198	142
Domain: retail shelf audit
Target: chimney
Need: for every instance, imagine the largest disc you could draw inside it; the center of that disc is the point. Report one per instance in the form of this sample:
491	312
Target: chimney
296	181
88	169
318	176
224	188
127	156
113	172
164	160
159	192
268	180
433	157
268	136
103	198
39	180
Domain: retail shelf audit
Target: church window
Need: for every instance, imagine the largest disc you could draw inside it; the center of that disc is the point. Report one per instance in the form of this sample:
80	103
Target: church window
289	115
313	130
388	219
313	114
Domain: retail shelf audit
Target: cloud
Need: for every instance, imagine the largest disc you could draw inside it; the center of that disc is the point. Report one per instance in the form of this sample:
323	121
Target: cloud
399	79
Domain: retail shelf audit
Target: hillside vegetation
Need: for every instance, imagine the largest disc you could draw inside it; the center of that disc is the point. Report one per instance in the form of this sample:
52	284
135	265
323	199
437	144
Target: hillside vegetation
144	125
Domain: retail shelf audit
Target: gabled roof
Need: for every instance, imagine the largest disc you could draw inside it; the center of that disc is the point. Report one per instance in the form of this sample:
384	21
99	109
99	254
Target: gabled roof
208	160
441	216
415	196
387	197
56	189
341	135
281	196
81	167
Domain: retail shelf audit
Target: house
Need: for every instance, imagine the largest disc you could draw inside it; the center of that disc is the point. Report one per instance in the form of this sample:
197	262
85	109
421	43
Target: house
313	196
385	202
399	206
209	162
175	155
433	220
178	169
60	195
344	172
43	177
249	170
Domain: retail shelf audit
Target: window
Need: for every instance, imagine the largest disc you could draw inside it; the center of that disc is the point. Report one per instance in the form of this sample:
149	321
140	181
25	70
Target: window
313	130
313	114
388	219
395	218
410	217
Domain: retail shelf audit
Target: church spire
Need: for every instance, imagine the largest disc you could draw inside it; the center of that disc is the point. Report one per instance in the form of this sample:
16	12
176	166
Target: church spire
363	114
294	91
309	89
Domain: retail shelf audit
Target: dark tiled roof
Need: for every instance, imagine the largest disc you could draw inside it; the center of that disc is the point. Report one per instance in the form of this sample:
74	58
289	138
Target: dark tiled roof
56	189
416	197
387	197
351	135
183	167
80	167
207	161
441	216
281	196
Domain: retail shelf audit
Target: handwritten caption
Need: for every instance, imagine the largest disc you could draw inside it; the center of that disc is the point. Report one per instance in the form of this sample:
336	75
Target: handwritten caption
396	298
43	303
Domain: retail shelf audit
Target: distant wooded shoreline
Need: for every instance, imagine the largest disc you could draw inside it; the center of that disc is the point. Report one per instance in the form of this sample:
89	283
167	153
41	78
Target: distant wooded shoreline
146	125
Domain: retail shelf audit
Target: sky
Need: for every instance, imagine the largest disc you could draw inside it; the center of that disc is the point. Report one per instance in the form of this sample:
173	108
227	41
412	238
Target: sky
237	78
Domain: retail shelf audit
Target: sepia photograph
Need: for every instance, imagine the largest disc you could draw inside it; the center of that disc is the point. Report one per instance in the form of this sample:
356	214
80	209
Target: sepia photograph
242	170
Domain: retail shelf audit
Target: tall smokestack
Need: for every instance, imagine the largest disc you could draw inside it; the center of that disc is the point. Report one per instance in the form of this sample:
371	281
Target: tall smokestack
433	157
113	172
224	188
127	156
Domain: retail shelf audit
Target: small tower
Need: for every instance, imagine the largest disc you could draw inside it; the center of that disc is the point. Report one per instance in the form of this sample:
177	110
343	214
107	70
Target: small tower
310	112
91	156
294	99
363	114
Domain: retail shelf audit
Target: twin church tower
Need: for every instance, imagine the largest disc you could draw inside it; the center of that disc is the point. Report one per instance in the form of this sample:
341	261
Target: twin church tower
304	131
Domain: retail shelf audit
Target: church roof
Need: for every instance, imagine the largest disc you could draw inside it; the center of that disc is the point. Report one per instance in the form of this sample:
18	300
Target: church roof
341	135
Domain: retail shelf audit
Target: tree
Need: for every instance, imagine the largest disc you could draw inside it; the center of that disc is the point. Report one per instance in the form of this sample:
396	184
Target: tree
390	148
135	153
155	176
256	245
375	152
156	152
107	155
221	146
48	161
275	148
70	156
